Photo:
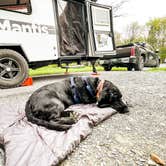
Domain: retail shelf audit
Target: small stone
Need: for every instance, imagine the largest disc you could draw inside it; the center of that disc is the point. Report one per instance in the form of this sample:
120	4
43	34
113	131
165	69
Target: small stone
152	163
128	129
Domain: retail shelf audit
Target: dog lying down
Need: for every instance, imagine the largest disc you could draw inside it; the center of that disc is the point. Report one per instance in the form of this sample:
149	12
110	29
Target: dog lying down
46	105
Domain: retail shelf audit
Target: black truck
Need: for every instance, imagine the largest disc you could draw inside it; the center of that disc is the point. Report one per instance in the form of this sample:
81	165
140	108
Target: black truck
133	56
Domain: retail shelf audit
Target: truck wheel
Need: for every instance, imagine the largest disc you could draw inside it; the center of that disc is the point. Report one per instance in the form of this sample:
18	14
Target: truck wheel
157	63
107	68
13	68
129	67
140	64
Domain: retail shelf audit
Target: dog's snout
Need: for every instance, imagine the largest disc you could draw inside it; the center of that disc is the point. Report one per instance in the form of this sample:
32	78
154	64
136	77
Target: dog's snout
120	106
125	109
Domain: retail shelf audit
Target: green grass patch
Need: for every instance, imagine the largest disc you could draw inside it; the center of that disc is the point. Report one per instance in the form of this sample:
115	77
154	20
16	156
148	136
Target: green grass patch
119	69
53	69
157	69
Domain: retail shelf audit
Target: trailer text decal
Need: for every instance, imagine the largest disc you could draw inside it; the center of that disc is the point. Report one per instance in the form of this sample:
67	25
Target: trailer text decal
16	26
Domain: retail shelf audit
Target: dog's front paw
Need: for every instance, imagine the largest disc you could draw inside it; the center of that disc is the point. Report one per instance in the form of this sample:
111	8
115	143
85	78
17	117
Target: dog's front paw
74	115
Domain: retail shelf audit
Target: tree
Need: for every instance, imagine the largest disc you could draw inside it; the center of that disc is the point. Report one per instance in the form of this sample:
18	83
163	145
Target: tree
134	32
157	35
162	54
157	32
118	38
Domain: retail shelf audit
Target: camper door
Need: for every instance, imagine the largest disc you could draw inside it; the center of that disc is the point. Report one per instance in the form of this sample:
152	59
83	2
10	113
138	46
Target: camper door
101	39
72	28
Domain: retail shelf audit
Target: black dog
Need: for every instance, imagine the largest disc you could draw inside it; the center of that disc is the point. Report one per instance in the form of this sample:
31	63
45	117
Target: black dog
46	105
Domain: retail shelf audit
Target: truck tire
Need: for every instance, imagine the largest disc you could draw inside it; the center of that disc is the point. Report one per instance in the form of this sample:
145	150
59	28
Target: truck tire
129	67
140	64
157	63
13	68
107	67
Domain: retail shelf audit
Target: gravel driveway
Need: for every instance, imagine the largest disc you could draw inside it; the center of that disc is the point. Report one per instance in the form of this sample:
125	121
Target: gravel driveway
128	139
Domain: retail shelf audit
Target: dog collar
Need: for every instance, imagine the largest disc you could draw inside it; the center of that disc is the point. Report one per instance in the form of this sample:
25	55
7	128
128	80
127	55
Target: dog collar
99	88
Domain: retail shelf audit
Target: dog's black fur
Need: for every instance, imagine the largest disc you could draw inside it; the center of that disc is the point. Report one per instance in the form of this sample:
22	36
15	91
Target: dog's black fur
46	105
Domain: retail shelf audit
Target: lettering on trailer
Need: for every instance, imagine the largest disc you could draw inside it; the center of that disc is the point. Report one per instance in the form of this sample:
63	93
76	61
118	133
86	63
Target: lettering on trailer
17	26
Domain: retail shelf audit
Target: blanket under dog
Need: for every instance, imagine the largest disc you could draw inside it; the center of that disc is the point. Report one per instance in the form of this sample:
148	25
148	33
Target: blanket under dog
28	144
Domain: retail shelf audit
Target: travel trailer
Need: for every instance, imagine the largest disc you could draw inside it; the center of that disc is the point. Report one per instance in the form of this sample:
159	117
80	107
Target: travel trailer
37	33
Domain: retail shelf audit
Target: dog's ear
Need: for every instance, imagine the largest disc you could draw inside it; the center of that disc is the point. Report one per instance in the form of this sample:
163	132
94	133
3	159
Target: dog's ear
110	92
116	93
113	90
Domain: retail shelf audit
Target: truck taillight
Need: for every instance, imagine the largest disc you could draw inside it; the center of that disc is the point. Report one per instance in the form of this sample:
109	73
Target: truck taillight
132	51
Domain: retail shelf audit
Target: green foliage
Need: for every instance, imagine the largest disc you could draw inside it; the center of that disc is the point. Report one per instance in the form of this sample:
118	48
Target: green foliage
118	38
157	69
157	32
162	53
154	33
133	32
137	39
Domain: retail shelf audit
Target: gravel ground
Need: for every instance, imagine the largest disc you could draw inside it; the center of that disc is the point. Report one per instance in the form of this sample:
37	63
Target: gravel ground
128	139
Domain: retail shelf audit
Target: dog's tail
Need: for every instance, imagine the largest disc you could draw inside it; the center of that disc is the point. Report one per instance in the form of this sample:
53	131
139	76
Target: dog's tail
53	125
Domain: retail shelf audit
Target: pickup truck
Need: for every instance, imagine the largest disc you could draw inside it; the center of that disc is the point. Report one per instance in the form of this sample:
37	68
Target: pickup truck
133	56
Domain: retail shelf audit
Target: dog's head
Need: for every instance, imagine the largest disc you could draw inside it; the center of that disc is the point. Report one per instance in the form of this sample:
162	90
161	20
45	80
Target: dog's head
110	95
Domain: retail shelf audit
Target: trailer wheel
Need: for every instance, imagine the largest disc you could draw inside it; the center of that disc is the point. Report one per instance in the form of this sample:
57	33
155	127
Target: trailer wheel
13	68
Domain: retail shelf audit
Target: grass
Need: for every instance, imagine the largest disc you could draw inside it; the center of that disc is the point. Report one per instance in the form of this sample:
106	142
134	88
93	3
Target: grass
53	69
157	69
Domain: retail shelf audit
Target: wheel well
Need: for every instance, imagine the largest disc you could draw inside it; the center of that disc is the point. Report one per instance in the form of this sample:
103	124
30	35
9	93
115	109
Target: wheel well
17	49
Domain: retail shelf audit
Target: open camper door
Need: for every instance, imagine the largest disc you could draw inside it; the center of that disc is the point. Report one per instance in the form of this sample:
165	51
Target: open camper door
101	39
72	28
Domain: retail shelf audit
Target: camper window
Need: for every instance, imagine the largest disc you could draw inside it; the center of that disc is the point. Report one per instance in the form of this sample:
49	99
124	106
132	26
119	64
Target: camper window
22	6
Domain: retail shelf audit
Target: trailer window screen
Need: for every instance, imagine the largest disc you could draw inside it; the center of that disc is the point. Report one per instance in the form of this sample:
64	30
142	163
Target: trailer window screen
22	6
72	28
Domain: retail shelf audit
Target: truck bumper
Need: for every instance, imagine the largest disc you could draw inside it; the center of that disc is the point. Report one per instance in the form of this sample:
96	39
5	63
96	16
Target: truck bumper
118	61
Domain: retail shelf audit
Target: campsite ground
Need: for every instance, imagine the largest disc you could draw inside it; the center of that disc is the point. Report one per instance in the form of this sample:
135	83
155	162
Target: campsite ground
124	139
129	139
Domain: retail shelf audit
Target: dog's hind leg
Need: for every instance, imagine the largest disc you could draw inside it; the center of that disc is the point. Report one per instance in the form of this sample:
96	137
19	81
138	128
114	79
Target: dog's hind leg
59	125
64	120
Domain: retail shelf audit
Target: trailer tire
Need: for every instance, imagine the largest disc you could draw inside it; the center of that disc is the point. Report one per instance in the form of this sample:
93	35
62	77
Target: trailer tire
13	68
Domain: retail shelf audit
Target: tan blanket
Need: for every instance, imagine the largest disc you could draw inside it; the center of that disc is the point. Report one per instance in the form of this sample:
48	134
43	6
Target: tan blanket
28	144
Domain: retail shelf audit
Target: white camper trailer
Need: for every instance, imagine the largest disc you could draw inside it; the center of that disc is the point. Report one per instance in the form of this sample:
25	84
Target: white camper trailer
35	33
